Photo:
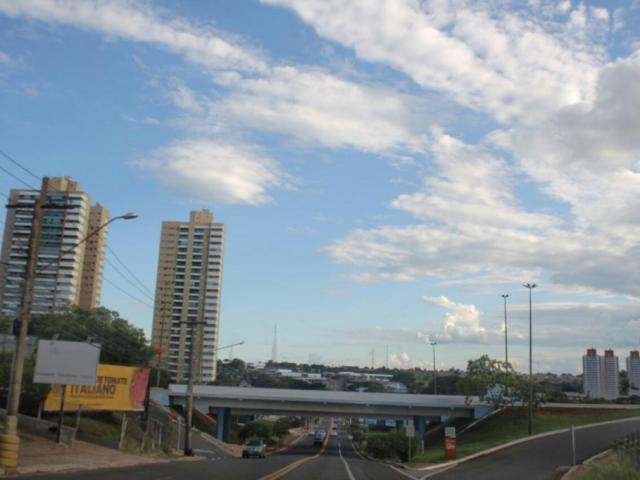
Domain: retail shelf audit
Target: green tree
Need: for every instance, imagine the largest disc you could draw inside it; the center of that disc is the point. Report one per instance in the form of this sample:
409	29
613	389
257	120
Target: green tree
281	427
121	343
261	429
495	381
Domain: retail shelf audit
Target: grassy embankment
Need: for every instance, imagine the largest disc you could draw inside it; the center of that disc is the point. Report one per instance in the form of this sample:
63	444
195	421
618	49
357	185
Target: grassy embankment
512	425
609	467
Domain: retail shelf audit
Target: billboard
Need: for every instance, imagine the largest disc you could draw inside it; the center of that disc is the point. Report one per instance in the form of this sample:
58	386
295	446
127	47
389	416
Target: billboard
66	363
117	388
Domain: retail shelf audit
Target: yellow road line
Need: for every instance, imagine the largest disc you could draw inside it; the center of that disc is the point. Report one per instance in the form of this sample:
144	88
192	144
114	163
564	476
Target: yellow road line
292	466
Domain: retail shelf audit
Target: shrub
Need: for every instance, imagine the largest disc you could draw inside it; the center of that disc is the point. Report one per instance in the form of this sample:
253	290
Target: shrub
281	427
390	445
260	429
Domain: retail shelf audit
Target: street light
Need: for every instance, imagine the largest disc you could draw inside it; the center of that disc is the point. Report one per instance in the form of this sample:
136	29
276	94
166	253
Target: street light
530	286
15	385
506	349
433	342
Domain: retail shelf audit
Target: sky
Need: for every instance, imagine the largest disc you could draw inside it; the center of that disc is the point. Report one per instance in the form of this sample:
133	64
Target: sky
386	170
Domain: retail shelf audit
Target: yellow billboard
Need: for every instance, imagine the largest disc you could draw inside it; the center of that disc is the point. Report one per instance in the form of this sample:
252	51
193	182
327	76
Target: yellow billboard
118	388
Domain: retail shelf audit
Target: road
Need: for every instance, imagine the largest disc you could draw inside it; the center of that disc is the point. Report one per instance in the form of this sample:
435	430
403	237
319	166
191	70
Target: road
336	461
539	459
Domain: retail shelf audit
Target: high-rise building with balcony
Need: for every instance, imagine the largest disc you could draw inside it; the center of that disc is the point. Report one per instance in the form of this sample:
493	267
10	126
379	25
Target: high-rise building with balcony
187	301
633	371
72	279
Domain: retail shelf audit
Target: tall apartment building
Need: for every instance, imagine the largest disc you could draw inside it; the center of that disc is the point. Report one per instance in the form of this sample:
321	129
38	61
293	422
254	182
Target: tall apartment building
75	278
600	375
609	370
591	374
633	371
187	299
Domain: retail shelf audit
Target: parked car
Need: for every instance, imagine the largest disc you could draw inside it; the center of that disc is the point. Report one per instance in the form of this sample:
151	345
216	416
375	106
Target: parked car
255	448
319	437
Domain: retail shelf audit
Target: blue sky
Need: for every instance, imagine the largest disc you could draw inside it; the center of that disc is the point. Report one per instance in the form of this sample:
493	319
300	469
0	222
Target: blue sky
385	169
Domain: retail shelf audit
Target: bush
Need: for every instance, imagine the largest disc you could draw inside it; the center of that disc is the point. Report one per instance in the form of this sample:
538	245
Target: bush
260	429
281	427
390	445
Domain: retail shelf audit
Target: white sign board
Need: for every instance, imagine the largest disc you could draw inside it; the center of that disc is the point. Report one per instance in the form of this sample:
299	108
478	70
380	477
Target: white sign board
67	363
450	432
410	430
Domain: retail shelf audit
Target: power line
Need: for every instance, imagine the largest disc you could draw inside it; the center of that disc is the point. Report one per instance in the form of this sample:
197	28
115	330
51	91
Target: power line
128	279
133	275
133	297
15	177
18	164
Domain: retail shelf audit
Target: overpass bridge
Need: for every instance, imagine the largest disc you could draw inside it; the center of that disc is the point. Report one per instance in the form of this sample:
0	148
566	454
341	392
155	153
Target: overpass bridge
225	401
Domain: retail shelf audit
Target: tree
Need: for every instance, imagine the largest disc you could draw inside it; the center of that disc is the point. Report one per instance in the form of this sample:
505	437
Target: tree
623	382
121	343
494	381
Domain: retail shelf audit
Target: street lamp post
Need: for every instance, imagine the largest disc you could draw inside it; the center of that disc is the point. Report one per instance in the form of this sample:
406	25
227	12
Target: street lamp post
433	342
506	348
530	286
24	314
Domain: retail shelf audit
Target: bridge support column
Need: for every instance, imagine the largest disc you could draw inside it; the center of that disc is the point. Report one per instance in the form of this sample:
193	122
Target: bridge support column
223	417
421	427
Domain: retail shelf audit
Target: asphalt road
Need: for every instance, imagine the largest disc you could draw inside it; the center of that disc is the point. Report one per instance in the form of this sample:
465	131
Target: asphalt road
337	461
539	459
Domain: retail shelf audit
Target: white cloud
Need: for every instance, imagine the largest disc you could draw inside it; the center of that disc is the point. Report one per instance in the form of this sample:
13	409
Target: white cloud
493	57
461	322
4	58
212	171
137	21
316	107
401	360
183	97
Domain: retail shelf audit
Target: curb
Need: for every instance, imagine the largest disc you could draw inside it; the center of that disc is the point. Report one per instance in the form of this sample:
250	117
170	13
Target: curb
517	442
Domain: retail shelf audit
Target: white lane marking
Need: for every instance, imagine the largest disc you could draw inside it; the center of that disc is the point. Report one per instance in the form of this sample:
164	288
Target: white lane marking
346	465
401	472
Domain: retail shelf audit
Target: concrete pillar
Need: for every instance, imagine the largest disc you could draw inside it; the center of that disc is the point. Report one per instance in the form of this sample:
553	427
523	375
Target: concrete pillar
420	423
223	417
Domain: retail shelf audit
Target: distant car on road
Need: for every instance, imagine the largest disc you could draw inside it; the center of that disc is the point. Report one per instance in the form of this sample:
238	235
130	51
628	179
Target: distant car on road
254	448
319	437
334	432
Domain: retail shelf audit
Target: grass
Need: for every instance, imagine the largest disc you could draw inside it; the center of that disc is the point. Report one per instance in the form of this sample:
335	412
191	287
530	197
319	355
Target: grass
610	467
512	425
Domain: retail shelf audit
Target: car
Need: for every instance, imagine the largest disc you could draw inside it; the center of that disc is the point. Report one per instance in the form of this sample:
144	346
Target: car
254	448
334	432
319	437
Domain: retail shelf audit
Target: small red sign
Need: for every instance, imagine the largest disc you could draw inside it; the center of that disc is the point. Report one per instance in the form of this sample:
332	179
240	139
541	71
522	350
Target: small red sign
449	447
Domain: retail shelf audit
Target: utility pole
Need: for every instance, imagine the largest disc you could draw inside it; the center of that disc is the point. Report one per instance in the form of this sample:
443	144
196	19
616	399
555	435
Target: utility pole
24	312
506	348
188	451
530	286
373	358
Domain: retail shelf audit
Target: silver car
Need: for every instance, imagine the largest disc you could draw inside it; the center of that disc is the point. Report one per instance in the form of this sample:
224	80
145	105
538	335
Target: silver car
254	448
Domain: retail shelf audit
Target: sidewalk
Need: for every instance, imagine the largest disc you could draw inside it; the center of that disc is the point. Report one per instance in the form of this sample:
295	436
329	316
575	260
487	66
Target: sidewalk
39	455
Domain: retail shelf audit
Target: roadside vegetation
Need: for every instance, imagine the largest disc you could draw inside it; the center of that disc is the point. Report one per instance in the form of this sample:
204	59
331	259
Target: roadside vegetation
512	425
271	432
610	467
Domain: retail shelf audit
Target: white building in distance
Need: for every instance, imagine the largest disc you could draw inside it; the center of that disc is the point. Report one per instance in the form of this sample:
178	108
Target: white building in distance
600	375
633	371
